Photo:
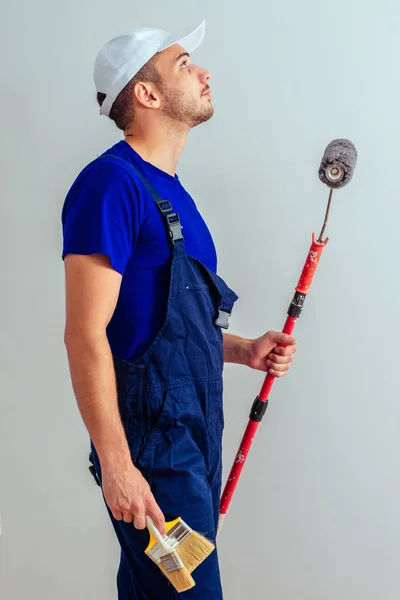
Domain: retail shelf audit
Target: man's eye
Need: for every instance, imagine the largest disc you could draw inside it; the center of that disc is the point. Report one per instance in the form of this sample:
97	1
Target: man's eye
185	64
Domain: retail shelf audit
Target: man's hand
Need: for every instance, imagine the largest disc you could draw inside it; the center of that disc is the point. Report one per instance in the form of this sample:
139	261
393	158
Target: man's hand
267	353
129	497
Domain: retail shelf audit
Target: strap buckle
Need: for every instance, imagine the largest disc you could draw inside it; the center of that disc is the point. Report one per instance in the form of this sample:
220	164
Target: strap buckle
174	227
165	206
172	220
222	320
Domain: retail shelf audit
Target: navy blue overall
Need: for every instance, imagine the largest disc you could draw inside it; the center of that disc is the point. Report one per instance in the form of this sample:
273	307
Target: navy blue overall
170	401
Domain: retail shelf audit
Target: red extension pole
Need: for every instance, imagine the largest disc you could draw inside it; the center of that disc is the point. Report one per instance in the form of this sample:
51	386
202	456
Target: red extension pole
260	405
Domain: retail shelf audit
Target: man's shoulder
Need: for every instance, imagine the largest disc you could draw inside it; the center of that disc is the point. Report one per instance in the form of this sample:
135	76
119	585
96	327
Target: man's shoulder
110	171
104	179
112	163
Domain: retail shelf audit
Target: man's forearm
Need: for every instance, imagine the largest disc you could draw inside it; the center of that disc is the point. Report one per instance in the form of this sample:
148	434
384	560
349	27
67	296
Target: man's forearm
93	380
236	349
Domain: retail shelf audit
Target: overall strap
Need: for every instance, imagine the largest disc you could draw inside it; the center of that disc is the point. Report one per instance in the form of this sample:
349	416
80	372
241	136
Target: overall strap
171	218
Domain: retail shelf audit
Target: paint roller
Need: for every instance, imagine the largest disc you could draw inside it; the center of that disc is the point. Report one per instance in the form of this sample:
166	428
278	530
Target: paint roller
338	163
336	171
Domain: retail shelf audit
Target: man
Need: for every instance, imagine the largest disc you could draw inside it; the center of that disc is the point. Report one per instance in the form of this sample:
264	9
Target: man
145	310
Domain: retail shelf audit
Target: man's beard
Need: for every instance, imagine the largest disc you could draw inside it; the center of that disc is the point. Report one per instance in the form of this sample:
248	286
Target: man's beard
183	107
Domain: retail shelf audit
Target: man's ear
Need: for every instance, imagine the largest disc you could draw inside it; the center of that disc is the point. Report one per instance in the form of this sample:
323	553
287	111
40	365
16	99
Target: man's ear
147	95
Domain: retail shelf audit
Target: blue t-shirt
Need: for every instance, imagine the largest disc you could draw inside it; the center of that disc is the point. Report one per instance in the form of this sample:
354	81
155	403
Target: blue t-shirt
109	210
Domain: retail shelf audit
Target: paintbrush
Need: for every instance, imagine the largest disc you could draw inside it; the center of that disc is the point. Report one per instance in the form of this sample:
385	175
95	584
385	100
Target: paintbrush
163	552
184	547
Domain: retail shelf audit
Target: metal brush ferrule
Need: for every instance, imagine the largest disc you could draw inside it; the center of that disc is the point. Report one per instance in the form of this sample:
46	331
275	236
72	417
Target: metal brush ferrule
171	562
174	537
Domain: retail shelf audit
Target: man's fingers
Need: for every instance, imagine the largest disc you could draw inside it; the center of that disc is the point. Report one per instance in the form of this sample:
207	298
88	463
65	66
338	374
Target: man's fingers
139	520
154	511
277	373
117	515
275	367
281	338
278	360
127	517
285	351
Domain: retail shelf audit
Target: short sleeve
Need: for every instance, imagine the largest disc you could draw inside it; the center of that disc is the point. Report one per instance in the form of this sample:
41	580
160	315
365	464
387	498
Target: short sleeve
101	214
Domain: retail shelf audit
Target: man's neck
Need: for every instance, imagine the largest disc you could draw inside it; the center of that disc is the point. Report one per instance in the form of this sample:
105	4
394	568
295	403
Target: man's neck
162	148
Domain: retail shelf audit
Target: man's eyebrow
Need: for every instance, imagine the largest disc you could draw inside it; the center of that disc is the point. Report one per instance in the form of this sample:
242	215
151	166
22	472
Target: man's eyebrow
182	55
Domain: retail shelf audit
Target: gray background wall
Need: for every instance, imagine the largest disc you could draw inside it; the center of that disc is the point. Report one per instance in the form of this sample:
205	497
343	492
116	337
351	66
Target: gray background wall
316	514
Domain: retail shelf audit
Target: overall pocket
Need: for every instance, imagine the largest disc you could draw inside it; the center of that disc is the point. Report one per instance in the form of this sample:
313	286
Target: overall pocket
175	429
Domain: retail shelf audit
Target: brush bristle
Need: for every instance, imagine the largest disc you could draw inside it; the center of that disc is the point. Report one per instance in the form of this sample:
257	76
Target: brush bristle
181	579
194	549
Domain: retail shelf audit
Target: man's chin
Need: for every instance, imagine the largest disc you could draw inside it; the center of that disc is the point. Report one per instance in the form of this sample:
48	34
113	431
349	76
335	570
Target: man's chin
204	116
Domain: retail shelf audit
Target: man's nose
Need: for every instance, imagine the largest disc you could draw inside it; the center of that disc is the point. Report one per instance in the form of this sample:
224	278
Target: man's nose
204	75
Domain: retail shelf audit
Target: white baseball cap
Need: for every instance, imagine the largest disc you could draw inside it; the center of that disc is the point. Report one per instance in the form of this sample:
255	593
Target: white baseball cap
123	56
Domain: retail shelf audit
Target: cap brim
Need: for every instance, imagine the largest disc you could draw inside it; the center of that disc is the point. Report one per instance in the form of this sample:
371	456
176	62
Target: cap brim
190	41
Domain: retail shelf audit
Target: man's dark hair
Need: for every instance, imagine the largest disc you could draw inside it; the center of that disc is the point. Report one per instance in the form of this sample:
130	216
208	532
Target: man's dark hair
123	109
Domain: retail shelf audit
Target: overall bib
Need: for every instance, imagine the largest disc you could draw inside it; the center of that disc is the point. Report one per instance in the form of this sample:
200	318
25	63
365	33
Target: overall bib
170	402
